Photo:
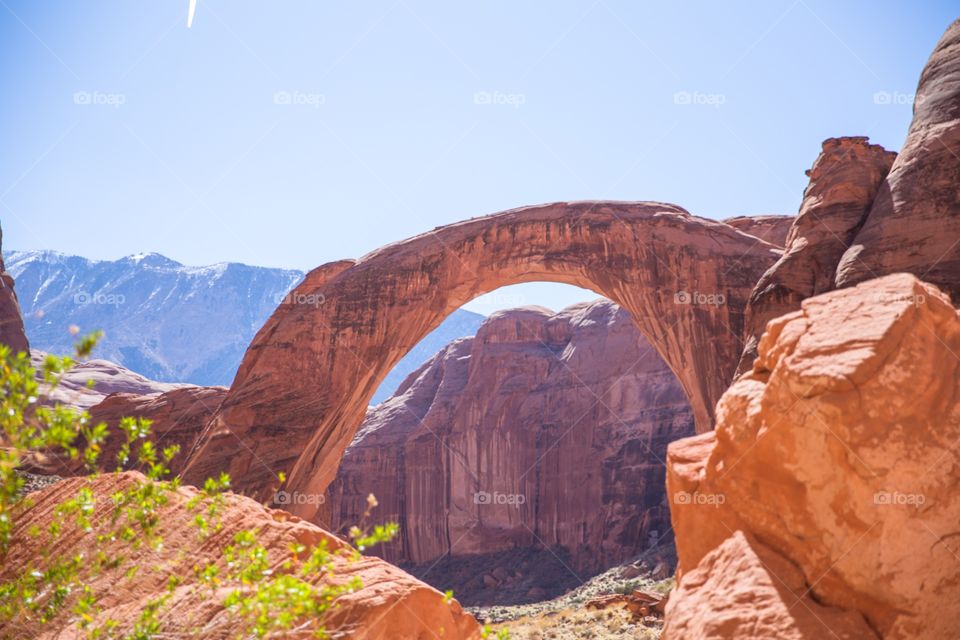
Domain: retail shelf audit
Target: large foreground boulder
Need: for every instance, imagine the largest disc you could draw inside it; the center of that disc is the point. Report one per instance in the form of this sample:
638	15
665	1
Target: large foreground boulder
390	605
836	454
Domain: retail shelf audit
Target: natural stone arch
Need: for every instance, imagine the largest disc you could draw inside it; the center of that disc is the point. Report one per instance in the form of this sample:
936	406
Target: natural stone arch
306	379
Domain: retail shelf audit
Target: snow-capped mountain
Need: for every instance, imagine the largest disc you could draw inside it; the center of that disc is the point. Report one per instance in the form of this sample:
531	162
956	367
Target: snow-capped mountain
168	321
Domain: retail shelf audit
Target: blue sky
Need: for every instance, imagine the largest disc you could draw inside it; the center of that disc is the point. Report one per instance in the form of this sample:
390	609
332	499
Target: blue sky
294	132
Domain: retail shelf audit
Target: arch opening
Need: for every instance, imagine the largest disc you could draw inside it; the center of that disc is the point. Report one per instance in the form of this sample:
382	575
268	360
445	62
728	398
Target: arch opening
525	459
306	380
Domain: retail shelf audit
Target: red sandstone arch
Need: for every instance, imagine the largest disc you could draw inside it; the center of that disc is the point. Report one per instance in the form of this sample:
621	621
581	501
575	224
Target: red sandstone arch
306	379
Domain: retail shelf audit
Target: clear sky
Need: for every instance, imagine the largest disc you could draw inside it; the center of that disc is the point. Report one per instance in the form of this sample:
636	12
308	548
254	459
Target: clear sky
294	132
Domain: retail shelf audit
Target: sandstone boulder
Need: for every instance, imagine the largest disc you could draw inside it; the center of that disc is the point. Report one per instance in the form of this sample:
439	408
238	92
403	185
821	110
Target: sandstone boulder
390	605
743	589
177	418
837	453
89	382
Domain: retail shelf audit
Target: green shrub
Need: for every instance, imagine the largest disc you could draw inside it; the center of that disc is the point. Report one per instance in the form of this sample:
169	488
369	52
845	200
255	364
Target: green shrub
266	603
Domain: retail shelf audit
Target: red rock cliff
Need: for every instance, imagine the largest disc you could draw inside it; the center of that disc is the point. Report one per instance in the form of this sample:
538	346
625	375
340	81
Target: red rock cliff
11	321
543	430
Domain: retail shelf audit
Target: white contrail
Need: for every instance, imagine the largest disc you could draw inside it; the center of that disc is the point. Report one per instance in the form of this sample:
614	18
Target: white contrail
190	12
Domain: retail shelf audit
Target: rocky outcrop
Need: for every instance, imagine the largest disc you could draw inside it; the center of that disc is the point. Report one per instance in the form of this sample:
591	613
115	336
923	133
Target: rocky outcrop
545	430
743	589
844	181
914	224
306	379
11	322
177	417
770	228
836	453
389	605
89	382
867	213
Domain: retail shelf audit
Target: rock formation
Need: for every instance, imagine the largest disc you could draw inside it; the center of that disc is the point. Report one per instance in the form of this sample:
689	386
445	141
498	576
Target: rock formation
391	605
177	418
832	472
89	382
11	322
545	430
772	229
306	379
170	321
743	589
867	213
914	224
843	184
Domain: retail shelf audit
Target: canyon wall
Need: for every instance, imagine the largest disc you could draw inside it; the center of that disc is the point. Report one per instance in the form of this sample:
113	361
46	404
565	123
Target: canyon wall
544	430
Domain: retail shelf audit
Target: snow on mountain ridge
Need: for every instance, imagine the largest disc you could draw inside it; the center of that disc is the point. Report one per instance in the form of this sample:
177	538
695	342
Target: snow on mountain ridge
168	321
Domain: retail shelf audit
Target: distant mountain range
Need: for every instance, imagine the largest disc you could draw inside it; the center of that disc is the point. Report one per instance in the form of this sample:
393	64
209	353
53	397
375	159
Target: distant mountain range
168	321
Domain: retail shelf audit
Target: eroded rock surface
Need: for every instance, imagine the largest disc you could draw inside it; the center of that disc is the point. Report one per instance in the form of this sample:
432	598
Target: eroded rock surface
770	228
177	418
89	382
543	430
837	452
390	605
844	181
306	379
11	322
914	223
743	589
